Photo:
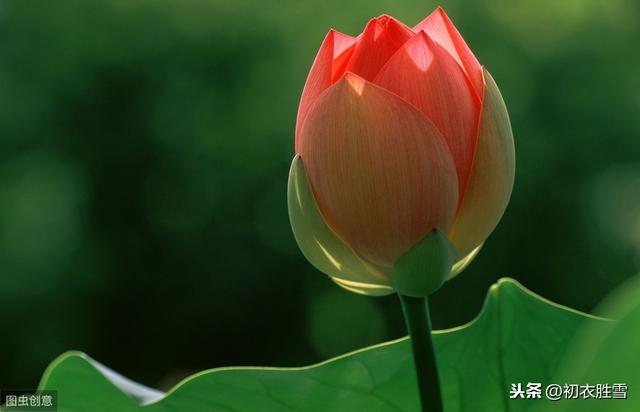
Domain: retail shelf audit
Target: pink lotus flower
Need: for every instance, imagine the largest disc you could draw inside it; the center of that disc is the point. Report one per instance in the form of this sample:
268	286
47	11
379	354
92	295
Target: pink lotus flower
399	131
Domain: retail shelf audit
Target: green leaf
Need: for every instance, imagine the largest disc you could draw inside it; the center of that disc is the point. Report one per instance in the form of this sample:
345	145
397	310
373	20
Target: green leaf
518	337
608	353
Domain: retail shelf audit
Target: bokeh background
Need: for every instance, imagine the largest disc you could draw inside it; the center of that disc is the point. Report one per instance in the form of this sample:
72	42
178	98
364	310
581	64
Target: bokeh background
144	152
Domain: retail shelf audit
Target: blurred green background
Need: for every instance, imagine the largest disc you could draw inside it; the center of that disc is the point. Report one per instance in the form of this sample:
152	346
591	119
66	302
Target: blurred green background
144	153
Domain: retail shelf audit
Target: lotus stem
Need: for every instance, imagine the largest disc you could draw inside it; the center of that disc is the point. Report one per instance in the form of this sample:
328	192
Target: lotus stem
416	315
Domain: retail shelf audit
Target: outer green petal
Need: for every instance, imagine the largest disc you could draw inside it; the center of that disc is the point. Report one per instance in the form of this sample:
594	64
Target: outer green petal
425	267
462	264
491	181
322	247
368	289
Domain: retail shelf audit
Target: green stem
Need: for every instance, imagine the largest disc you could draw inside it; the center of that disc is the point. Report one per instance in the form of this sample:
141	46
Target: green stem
416	314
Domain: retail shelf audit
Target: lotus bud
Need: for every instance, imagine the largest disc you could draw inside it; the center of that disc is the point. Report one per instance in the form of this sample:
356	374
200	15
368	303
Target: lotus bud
404	157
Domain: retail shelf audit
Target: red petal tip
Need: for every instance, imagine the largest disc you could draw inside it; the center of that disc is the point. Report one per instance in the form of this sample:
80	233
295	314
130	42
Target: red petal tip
384	18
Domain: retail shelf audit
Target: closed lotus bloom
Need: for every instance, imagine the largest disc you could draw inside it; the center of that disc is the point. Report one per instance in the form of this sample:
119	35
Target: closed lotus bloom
402	138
